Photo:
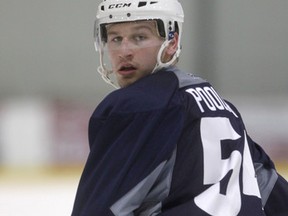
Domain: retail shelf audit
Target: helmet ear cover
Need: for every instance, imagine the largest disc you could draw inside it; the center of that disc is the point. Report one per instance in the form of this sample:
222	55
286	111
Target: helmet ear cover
160	26
161	29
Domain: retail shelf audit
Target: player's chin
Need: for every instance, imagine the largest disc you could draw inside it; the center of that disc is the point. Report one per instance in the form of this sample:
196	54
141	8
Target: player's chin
126	81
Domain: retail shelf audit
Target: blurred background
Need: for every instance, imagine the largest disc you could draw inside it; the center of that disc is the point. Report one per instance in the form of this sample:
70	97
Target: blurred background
49	87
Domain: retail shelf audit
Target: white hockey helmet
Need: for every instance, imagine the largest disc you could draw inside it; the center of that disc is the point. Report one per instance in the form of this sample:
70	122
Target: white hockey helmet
168	14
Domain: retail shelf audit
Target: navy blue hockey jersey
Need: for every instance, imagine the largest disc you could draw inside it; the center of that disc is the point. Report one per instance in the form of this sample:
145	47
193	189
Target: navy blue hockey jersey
169	145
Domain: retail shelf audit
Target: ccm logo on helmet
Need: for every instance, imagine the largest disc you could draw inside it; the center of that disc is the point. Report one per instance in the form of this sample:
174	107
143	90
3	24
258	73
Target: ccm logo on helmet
120	5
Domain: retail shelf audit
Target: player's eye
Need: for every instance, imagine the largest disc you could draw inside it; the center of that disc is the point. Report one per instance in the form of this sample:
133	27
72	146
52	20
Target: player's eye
139	38
116	39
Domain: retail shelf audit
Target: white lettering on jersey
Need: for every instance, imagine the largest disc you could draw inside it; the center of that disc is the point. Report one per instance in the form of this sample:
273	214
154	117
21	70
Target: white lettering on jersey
210	98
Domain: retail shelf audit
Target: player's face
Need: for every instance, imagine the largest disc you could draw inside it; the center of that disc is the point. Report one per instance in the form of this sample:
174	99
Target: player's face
133	49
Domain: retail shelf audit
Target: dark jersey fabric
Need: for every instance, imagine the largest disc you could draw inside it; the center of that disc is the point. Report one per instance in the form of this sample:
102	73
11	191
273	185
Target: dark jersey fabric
149	155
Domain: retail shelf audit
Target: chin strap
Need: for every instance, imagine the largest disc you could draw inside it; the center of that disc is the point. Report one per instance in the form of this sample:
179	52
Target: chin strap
105	76
161	64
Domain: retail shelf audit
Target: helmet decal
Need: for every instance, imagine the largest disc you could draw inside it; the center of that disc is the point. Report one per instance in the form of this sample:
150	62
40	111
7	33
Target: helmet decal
144	3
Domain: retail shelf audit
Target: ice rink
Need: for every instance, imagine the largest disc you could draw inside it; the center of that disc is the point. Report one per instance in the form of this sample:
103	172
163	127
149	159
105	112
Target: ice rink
45	194
35	194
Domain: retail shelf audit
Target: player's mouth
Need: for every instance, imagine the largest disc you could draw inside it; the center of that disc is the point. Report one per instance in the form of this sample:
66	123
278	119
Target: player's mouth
126	69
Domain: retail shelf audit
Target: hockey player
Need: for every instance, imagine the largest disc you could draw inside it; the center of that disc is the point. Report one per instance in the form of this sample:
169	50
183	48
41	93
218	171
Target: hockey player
166	143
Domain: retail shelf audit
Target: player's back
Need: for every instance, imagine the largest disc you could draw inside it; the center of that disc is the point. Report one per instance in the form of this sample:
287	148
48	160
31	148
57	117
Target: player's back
213	172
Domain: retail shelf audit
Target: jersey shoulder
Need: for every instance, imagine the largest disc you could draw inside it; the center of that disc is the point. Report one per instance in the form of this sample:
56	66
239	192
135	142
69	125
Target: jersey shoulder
153	92
199	96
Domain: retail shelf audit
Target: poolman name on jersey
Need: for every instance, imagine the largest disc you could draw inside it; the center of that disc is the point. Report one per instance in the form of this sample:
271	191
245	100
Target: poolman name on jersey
209	97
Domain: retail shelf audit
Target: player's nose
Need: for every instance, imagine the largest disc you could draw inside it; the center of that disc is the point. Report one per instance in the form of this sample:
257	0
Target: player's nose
126	48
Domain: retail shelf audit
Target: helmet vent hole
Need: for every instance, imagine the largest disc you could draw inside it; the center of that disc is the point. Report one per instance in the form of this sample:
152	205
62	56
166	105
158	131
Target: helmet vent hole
102	8
142	4
110	16
128	14
153	2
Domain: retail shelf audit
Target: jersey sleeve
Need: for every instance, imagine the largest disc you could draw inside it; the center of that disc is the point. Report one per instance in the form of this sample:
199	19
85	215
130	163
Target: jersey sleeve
273	187
130	161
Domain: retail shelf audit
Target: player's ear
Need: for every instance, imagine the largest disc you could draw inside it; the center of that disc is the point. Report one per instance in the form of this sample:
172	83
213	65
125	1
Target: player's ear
171	48
173	45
